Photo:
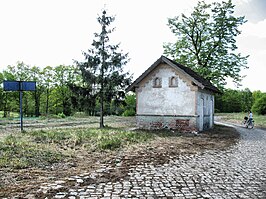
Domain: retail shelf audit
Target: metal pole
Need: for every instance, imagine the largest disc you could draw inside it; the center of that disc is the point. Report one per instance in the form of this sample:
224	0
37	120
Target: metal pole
21	112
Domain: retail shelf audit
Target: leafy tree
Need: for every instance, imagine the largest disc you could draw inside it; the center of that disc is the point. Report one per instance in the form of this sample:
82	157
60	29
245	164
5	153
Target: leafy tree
37	76
259	105
52	94
232	101
246	99
48	76
1	92
256	95
11	99
22	72
83	99
19	72
102	69
63	76
130	107
206	42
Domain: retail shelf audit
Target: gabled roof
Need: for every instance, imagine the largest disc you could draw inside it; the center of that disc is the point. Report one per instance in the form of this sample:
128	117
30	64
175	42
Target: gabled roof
195	78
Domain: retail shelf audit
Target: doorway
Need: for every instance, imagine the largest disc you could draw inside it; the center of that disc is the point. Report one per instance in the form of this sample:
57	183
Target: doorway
201	114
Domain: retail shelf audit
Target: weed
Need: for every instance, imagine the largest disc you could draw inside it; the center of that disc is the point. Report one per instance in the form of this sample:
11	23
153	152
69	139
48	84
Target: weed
113	140
109	143
61	115
54	136
40	148
18	152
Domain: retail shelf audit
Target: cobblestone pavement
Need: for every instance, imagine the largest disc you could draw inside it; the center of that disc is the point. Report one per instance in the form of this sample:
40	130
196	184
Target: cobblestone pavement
238	172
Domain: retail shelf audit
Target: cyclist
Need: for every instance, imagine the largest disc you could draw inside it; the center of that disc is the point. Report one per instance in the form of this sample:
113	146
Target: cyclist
250	118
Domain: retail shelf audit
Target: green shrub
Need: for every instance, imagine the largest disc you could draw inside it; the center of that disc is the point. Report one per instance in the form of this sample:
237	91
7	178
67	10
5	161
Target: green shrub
129	112
80	114
61	115
259	106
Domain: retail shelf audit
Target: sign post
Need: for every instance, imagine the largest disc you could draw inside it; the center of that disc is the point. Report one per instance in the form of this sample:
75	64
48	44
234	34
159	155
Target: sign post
21	110
20	86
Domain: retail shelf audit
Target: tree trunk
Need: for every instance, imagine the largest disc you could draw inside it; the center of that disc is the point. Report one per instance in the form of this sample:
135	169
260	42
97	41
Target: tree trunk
26	106
101	111
37	104
47	102
101	94
101	101
5	106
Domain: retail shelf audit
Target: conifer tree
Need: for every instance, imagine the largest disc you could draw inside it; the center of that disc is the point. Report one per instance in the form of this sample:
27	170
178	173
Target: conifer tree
102	70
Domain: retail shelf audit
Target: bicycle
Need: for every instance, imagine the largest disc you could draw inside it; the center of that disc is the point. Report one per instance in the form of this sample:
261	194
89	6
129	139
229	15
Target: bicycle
249	123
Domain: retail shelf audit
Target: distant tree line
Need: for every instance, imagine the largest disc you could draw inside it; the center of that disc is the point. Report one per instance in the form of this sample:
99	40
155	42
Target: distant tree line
95	85
60	91
241	101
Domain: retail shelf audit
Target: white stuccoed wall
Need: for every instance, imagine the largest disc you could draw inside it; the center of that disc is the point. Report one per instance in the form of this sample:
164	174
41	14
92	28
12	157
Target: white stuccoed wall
165	100
207	108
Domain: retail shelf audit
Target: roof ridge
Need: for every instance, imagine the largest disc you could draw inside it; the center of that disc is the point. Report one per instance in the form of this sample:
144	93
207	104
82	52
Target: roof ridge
200	81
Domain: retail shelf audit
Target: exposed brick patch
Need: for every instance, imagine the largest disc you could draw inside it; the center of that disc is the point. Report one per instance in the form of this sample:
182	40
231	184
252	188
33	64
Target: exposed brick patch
182	125
156	125
166	122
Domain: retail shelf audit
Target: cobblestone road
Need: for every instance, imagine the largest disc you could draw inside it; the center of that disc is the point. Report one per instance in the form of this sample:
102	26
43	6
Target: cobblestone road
238	172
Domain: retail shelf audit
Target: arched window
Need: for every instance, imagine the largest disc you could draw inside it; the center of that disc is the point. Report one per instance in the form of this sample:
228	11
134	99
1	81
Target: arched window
173	81
157	82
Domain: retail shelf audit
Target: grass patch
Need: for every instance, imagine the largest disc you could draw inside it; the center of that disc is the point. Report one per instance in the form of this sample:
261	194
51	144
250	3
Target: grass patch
260	120
41	148
101	139
116	139
10	115
45	147
18	152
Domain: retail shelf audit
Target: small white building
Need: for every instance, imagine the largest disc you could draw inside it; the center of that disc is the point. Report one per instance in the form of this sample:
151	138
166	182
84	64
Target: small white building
170	95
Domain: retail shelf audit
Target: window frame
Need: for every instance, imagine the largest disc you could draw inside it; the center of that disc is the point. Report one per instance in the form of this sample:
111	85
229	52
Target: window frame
173	82
157	82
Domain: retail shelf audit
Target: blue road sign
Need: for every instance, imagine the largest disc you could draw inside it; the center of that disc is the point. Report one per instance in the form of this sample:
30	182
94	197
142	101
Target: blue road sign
19	86
11	85
28	86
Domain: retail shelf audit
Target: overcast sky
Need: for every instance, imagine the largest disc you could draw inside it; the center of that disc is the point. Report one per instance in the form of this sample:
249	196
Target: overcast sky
54	32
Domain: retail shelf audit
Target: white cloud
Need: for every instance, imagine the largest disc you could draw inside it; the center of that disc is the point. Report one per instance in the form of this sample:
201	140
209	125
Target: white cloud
254	29
252	42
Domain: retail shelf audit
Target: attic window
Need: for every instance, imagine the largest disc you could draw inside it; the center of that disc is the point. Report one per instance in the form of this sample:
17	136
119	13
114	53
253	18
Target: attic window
157	82
173	81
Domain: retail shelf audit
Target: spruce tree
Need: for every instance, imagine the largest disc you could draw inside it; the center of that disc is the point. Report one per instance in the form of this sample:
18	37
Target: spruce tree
102	70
